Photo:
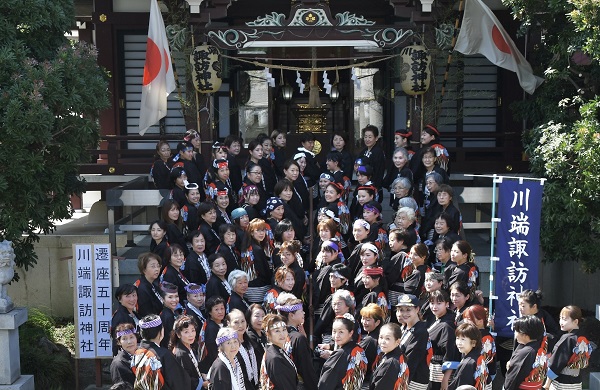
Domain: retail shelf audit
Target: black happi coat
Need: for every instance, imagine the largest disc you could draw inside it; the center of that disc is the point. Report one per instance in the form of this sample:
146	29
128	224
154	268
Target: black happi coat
369	343
168	317
237	302
564	355
335	369
120	368
210	237
172	275
121	316
149	301
414	346
193	270
521	364
466	371
443	341
173	373
183	356
277	370
389	373
301	355
215	288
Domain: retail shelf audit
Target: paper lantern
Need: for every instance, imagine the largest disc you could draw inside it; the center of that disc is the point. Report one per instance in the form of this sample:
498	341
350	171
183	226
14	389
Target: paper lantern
206	68
415	69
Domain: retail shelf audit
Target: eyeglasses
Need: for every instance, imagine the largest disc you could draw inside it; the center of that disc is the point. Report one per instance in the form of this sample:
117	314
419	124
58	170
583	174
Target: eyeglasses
256	173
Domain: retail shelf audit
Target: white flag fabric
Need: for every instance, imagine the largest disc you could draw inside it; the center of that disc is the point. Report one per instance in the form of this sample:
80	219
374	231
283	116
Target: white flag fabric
482	33
158	81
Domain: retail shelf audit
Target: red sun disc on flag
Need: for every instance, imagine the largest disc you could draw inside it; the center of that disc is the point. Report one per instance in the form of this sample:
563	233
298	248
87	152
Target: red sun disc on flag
153	62
499	40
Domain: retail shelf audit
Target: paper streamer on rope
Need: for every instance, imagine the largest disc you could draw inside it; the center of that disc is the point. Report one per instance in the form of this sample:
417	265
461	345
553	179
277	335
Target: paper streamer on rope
269	78
326	83
355	78
301	85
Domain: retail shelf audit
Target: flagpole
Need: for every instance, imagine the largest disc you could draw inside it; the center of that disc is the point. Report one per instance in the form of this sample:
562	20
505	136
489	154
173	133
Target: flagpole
446	73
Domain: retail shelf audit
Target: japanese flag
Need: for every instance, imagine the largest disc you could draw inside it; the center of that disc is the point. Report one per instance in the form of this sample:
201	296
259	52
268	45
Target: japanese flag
482	33
158	81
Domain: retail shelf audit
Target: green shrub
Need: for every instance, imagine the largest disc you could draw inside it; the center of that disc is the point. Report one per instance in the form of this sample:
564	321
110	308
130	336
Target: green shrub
50	365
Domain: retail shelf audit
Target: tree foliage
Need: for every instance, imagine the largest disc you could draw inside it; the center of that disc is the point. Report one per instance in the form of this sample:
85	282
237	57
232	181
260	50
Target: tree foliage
564	144
51	91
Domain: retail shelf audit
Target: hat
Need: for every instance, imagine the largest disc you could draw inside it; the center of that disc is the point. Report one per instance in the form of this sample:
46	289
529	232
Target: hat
238	213
403	133
168	288
194	288
273	203
407	300
341	271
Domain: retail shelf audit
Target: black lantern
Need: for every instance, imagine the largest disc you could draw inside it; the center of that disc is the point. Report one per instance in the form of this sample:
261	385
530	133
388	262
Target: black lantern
334	95
287	92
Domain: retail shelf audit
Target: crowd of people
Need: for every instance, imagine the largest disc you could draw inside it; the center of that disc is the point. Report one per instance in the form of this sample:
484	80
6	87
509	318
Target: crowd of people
281	274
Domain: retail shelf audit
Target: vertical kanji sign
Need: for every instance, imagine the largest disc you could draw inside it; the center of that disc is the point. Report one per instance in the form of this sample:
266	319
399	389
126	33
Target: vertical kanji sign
93	300
103	299
84	302
518	243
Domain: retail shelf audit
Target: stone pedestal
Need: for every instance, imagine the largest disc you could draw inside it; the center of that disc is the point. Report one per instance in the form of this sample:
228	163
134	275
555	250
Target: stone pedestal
10	365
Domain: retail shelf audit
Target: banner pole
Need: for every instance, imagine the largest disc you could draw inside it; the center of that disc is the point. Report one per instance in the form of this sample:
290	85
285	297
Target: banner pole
492	245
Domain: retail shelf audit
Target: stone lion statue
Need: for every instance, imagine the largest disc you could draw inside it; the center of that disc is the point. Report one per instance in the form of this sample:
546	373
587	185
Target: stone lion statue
7	263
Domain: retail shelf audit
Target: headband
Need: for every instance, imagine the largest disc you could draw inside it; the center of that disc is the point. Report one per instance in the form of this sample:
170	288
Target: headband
273	203
196	288
371	247
372	271
367	188
372	209
404	133
278	325
151	324
186	148
326	176
218	145
298	156
362	169
329	213
337	185
363	223
337	275
289	308
190	134
347	316
430	127
191	186
180	167
220	163
125	332
227	337
249	188
223	192
332	245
